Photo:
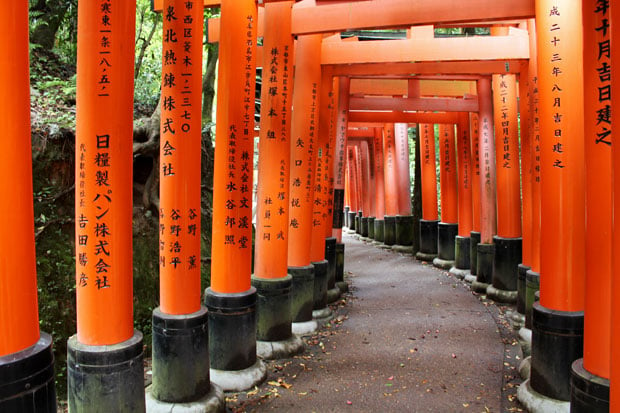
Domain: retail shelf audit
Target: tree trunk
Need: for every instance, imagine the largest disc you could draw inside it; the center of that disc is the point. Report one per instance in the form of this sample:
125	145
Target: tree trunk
46	19
145	44
208	83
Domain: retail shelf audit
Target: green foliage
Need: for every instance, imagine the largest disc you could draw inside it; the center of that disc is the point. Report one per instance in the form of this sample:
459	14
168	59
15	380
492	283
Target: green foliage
145	274
148	55
53	219
53	98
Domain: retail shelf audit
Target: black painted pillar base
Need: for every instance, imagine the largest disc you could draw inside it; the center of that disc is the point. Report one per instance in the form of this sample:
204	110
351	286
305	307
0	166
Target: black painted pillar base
364	230
446	234
232	340
389	230
232	329
428	240
333	292
274	337
505	270
320	285
371	227
557	341
532	285
109	377
358	223
27	379
461	257
180	356
273	308
589	392
330	256
302	293
474	240
340	282
521	275
484	270
346	216
351	220
379	230
404	230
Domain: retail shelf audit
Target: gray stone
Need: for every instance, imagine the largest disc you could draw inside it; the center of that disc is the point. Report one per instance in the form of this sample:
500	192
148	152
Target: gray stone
443	264
305	327
535	402
459	273
273	350
212	402
240	380
501	296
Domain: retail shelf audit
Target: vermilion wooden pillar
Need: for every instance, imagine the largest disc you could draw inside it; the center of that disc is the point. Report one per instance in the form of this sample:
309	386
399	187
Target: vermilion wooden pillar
557	331
304	138
475	196
390	183
271	279
404	219
103	208
462	240
379	223
590	375
340	154
364	160
508	239
335	209
372	191
447	229
179	215
26	359
347	196
532	277
614	396
488	218
322	247
359	187
430	217
352	178
231	299
401	135
525	118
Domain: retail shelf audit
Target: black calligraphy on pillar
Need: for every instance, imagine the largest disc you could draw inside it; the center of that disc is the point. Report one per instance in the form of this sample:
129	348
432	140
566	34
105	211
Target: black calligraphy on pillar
557	72
105	47
504	136
603	84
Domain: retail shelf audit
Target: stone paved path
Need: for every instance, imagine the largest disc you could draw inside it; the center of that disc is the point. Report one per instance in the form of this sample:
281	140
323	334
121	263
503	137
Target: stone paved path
409	339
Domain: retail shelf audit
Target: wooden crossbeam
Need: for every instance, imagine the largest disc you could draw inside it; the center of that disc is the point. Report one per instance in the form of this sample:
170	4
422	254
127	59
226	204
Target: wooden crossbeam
414	104
404	117
399	87
375	14
481	67
427	50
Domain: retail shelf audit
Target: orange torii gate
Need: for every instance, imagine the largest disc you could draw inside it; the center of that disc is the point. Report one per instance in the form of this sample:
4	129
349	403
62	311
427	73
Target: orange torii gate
231	299
276	288
106	340
590	374
26	358
558	318
376	14
180	366
557	327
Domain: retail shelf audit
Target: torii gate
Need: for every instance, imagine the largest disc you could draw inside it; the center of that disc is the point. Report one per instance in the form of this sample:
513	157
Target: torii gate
559	315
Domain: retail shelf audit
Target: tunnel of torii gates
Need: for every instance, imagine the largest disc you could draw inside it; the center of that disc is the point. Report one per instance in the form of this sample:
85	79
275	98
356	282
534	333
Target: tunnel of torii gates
520	122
